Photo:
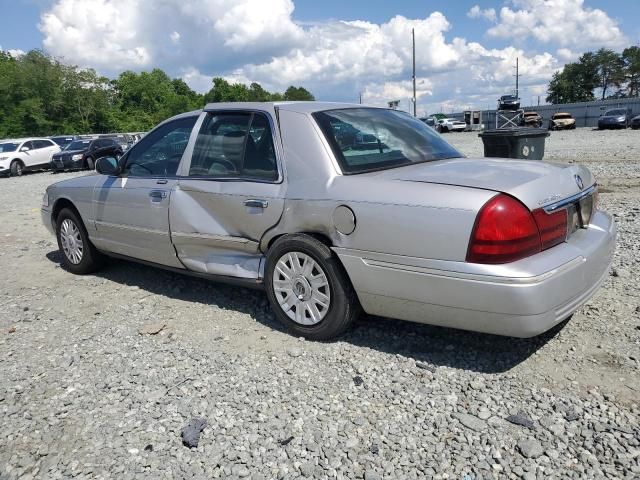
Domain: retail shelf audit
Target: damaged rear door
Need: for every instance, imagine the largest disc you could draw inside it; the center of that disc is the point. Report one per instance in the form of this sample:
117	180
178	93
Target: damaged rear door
229	194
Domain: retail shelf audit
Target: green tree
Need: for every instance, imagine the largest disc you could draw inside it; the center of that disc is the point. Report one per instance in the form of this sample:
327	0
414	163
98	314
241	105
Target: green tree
575	83
610	69
41	96
631	61
299	93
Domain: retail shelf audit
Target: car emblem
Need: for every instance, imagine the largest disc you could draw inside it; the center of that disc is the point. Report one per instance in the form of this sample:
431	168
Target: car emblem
578	179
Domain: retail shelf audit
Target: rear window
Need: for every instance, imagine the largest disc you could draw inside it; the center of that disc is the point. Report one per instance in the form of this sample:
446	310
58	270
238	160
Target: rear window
78	145
369	139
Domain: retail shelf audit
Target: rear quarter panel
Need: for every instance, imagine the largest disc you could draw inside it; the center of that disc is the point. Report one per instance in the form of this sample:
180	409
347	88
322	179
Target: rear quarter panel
392	216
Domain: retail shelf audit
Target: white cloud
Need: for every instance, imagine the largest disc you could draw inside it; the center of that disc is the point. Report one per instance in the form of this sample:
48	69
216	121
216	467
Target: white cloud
14	52
567	55
562	22
258	40
116	34
487	14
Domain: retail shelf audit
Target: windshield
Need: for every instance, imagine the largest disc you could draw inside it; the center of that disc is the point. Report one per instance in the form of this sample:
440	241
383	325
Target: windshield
367	139
8	147
78	145
561	116
615	113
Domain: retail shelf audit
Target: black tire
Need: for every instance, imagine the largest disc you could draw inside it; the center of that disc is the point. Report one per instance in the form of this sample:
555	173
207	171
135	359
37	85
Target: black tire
444	129
344	307
90	163
91	259
17	168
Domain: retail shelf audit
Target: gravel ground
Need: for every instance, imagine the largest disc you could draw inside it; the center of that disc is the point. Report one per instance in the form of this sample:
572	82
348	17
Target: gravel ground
85	394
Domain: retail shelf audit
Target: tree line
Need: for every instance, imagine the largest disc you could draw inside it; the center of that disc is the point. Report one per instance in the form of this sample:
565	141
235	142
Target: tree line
608	73
41	96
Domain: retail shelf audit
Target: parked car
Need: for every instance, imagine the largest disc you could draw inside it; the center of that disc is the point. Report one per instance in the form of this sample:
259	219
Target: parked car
615	118
18	156
445	125
531	119
64	140
508	102
265	195
430	121
635	122
562	121
83	153
123	139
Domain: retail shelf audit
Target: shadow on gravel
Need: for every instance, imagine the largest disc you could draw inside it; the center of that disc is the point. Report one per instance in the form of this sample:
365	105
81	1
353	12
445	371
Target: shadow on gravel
434	346
440	346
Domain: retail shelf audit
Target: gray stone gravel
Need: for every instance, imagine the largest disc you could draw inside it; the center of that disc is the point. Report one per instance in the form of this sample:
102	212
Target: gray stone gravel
84	395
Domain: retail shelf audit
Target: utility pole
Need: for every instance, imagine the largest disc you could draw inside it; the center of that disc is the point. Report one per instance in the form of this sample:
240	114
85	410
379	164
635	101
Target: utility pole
413	35
517	75
360	98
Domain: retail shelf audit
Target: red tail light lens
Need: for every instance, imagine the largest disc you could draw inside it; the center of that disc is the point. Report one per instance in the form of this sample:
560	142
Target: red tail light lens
505	231
552	227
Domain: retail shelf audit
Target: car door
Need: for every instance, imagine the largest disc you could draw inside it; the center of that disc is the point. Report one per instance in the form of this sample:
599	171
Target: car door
48	149
131	210
26	153
229	193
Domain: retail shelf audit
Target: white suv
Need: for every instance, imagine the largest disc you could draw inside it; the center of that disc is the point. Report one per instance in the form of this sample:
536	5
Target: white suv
19	155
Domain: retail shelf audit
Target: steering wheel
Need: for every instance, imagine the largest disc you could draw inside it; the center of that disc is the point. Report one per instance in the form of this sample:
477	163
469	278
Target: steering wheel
228	166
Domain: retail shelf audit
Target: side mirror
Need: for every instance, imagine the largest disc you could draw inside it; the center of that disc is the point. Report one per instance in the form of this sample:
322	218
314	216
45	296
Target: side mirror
107	166
25	149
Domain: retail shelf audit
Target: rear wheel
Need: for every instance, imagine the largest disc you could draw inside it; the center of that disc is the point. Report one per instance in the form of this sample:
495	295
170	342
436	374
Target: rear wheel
17	168
79	256
308	289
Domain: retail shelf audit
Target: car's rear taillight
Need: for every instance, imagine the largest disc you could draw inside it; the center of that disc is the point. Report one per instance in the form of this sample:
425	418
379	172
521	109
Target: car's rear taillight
552	227
505	231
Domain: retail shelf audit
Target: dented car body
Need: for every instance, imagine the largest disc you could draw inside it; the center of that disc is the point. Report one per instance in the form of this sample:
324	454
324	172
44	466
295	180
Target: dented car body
392	217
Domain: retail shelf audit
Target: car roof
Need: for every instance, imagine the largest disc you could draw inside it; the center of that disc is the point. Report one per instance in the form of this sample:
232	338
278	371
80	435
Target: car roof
21	140
299	107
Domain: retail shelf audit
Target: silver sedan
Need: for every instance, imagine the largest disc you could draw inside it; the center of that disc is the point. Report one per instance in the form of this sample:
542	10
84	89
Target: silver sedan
334	209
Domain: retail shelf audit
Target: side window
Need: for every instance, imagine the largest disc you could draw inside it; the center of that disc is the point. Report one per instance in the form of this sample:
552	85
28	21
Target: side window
42	143
159	153
235	145
29	145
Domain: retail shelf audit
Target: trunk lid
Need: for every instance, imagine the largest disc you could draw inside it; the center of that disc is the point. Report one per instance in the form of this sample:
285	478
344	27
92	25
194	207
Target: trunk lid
534	183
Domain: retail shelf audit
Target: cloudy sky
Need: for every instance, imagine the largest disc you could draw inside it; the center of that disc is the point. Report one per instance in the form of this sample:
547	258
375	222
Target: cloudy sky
465	50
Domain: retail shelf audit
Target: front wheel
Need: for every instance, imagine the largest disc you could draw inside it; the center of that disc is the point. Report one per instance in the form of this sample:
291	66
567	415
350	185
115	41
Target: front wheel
308	288
17	168
79	256
91	164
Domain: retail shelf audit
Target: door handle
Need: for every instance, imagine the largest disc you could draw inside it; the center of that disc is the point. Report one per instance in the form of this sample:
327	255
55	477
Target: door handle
157	195
256	203
162	182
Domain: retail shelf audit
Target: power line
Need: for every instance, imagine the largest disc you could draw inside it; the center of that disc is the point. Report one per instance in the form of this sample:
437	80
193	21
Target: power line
413	35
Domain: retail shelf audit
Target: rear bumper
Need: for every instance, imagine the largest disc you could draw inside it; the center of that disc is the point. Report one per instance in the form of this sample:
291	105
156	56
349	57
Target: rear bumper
521	299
